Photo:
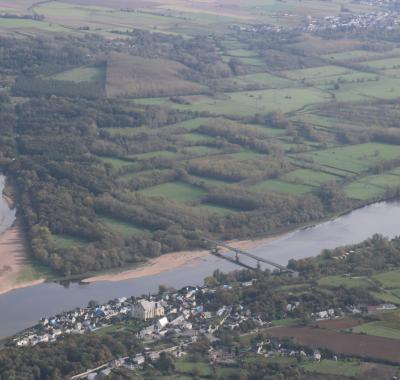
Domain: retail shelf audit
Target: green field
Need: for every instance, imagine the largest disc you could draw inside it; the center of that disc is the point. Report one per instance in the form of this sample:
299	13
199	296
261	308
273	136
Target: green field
259	80
246	103
332	367
67	241
346	281
316	72
220	210
354	158
309	177
385	88
150	155
362	191
119	227
82	74
389	280
175	191
378	328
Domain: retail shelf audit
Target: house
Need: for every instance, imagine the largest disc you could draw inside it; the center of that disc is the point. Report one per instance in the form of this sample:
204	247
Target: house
145	310
161	323
317	356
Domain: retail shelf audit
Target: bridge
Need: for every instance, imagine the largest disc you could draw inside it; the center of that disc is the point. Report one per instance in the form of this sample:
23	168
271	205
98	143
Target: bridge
215	250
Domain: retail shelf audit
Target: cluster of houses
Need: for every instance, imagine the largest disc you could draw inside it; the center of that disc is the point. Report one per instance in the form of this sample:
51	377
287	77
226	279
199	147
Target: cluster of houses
383	19
177	312
77	321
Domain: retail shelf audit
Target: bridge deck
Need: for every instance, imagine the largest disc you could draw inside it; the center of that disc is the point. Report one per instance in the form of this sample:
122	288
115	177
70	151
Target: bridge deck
248	254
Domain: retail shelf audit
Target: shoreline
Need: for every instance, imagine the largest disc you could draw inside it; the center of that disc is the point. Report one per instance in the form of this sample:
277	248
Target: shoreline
174	260
13	260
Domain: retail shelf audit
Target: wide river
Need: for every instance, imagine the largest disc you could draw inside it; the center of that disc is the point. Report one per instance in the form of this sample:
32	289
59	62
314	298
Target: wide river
22	308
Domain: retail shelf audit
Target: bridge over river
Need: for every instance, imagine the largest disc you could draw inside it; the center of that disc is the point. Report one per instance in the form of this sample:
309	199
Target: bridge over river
216	251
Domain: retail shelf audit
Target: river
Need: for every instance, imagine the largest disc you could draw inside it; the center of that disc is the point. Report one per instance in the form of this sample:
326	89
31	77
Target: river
22	308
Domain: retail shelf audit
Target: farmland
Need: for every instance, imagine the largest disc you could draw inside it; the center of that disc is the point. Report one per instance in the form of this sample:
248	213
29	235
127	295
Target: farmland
185	119
351	344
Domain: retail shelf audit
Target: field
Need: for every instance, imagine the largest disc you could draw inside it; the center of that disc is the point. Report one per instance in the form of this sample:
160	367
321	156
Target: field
389	280
67	241
378	329
135	76
332	367
121	228
354	158
349	344
82	74
246	103
348	282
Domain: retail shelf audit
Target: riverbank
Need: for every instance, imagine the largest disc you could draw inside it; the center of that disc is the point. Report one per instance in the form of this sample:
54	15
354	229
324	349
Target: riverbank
174	260
13	261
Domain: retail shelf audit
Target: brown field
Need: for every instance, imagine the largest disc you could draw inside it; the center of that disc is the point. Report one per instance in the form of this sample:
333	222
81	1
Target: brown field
141	77
344	343
317	45
340	324
116	4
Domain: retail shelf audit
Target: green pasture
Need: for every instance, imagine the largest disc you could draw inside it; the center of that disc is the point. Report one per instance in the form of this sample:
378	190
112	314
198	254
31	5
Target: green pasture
195	137
383	64
216	209
387	180
241	53
281	187
10	23
246	103
285	322
211	181
378	328
333	367
392	296
190	124
353	55
67	241
175	191
82	74
314	73
260	80
354	158
201	150
346	281
362	191
395	172
385	88
389	280
120	227
155	154
309	177
186	366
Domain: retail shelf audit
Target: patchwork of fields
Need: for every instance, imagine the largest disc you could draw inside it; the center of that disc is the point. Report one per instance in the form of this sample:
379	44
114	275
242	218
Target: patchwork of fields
244	121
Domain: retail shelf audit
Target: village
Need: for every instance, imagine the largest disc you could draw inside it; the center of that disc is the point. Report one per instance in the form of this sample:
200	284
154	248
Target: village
181	315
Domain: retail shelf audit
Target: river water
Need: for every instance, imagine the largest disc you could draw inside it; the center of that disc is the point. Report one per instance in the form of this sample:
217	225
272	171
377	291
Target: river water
22	308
